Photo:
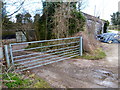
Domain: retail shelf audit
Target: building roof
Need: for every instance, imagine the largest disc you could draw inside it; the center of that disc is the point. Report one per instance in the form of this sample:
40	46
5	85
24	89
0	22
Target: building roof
93	18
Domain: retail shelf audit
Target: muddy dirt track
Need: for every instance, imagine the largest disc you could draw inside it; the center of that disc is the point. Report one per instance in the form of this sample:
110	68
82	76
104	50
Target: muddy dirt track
81	73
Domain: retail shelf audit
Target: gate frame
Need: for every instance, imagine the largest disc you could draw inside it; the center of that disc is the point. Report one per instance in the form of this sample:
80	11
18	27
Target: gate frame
9	55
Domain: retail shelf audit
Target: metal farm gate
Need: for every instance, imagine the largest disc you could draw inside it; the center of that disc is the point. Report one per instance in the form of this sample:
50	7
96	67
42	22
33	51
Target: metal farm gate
29	55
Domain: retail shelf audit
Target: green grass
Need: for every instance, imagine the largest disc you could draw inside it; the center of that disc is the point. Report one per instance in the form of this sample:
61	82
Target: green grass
37	45
116	30
34	45
109	31
41	84
0	75
98	54
20	82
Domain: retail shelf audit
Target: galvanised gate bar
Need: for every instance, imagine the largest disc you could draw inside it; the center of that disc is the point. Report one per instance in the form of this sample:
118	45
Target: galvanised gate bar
29	55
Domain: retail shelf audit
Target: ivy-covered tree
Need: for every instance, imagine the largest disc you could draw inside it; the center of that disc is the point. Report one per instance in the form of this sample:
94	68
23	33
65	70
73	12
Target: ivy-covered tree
76	22
58	19
44	25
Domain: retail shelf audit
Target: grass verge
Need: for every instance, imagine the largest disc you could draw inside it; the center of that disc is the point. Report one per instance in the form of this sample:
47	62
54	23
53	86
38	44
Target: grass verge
116	29
13	80
98	54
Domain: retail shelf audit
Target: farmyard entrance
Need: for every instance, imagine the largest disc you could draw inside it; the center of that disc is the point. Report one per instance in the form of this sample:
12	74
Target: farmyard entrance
29	55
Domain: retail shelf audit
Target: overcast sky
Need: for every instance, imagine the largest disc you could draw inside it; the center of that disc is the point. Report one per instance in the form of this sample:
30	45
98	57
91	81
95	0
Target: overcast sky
102	8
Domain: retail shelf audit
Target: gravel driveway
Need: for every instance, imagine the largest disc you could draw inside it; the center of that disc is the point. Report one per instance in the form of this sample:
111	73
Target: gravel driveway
81	73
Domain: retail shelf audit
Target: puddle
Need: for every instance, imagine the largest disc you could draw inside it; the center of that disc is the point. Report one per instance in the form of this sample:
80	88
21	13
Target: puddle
105	78
104	72
107	83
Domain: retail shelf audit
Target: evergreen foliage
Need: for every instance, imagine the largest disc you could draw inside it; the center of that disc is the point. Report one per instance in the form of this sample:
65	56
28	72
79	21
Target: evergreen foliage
7	24
115	18
47	23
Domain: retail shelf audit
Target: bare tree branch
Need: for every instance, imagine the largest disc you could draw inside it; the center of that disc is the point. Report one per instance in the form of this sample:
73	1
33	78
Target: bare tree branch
17	9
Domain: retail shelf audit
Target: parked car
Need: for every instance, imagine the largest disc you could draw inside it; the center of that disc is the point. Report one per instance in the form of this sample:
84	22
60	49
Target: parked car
109	38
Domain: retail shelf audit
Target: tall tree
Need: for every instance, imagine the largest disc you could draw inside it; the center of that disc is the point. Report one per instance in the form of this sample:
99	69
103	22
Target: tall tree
3	9
115	18
54	23
24	24
19	18
7	24
36	17
27	18
36	25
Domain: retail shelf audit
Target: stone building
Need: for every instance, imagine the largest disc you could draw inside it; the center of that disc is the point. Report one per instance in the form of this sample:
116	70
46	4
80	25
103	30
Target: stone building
95	23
